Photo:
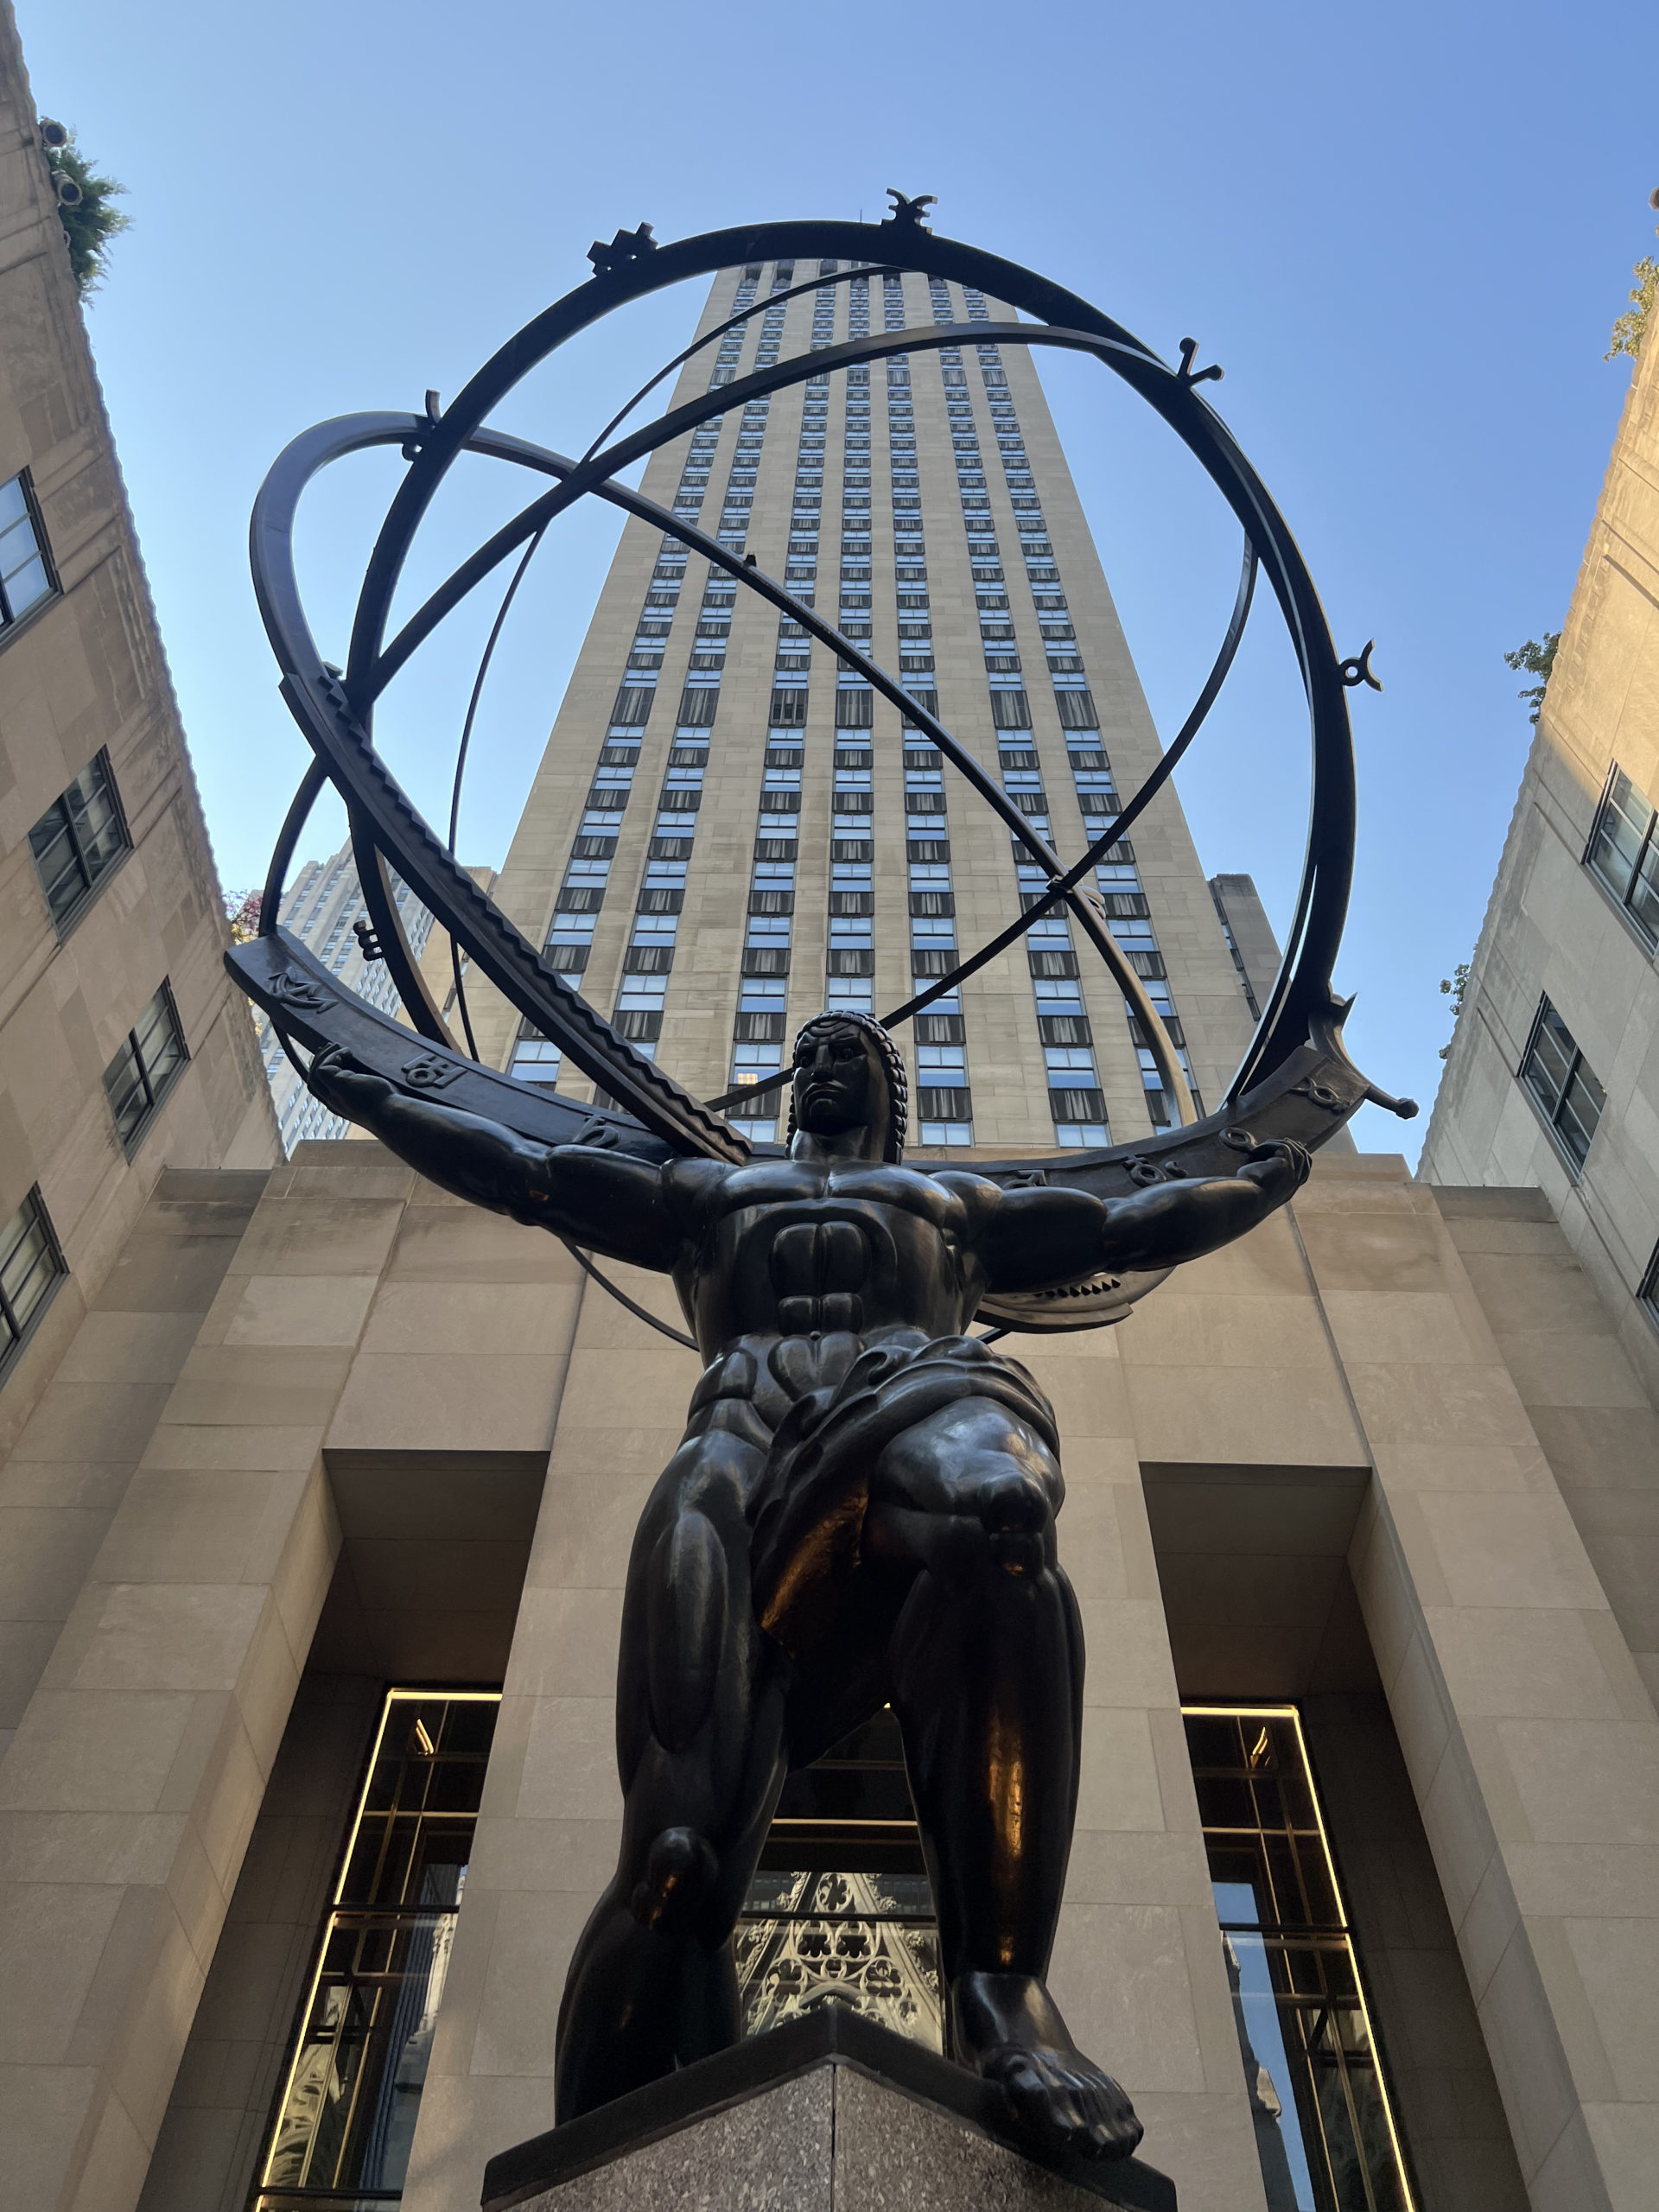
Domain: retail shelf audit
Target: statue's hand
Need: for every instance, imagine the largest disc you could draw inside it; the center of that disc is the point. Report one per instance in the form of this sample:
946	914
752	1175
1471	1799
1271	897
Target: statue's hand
1277	1169
345	1088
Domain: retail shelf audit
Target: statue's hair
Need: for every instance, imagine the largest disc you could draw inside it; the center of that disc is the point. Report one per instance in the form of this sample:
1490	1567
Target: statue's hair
893	1067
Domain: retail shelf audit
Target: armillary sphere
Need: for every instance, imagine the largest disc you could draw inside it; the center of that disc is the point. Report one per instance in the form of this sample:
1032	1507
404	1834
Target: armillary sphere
1295	1080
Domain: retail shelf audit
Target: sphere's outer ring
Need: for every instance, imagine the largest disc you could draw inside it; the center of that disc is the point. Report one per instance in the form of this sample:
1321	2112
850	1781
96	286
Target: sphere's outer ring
1302	992
1300	1081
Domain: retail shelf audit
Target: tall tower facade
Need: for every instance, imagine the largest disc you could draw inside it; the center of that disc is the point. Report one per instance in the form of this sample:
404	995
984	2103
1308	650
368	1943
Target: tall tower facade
729	832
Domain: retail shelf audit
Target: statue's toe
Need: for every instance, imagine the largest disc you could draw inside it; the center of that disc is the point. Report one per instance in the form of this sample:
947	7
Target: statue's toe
1062	2100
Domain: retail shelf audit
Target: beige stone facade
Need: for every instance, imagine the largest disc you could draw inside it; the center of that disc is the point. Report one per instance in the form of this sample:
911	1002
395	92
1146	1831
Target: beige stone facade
83	680
1345	1463
1562	928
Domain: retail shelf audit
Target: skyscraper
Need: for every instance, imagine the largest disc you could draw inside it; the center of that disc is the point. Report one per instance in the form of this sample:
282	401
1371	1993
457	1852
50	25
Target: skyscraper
324	908
729	832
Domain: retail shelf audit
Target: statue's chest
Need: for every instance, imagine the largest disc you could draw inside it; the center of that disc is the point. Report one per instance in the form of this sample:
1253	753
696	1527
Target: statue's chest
820	1271
831	1263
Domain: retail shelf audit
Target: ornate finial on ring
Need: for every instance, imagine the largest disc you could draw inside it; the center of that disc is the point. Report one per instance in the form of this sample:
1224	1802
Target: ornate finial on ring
1188	374
626	246
1354	672
907	214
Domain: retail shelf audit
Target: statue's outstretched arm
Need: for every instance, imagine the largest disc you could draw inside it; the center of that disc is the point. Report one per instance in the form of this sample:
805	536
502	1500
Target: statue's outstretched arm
1033	1238
614	1205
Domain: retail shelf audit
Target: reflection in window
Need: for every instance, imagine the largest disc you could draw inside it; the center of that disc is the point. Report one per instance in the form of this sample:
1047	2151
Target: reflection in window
347	2118
78	840
148	1064
535	1058
26	575
840	1912
31	1266
1624	852
1324	2130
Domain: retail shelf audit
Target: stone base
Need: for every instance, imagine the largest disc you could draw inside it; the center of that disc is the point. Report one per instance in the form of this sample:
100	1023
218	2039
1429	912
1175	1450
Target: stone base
830	2113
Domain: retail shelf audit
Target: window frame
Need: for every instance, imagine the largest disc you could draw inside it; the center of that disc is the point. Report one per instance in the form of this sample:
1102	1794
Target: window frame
156	1099
1550	1117
91	885
18	1334
1645	935
12	626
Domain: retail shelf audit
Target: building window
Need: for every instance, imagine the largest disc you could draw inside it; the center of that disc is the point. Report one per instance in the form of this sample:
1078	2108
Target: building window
1647	1289
26	576
78	840
31	1267
1562	1085
1324	2130
535	1058
364	2038
1624	852
145	1069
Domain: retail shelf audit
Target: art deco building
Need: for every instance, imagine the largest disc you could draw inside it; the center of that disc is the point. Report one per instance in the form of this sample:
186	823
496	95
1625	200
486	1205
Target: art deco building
322	1525
729	831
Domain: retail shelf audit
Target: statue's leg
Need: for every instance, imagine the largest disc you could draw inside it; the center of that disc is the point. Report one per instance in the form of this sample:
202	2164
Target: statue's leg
987	1669
700	1704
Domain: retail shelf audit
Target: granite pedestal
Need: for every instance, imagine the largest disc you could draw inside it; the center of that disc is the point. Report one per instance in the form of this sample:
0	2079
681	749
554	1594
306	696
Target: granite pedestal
830	2113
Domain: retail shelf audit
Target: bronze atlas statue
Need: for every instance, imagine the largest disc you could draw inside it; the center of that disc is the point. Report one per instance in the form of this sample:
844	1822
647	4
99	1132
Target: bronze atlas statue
862	1510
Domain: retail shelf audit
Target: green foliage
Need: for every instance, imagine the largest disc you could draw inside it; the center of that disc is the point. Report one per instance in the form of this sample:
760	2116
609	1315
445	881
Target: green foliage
1534	659
1632	325
91	225
1455	986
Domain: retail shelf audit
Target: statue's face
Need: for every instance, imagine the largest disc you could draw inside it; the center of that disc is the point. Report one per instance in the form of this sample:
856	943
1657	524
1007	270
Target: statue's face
839	1083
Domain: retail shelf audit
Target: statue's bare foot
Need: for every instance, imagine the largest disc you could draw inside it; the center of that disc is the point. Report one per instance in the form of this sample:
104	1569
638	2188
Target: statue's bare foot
1006	2027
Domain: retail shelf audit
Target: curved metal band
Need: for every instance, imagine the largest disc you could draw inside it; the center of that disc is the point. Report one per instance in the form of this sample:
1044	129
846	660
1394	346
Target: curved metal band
1304	995
523	978
1299	1035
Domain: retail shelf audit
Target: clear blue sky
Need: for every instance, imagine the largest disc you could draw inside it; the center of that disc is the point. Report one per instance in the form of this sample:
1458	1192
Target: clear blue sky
1404	232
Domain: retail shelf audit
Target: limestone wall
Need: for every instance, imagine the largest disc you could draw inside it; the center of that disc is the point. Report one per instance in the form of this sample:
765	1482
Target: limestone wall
1307	1467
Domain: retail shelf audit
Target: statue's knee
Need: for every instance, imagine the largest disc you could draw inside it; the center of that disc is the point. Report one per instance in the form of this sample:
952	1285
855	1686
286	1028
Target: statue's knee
1017	1515
680	1868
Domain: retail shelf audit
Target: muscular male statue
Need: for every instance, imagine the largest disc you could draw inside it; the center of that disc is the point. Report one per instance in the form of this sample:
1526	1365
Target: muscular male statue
861	1512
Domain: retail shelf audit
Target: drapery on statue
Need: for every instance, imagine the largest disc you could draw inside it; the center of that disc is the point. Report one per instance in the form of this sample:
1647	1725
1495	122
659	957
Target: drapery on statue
861	1512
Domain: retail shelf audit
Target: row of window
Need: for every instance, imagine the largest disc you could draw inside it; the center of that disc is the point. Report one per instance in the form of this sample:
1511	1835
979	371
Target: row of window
1569	1100
148	1064
76	845
1623	856
1076	1096
1077	1101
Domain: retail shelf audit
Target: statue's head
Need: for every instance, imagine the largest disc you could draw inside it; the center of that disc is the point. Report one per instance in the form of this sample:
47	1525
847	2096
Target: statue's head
848	1075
